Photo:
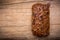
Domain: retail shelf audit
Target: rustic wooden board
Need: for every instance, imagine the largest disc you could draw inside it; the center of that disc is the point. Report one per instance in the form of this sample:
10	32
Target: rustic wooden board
15	22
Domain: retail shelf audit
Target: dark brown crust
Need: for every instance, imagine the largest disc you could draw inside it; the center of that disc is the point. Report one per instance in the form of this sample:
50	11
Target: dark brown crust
40	19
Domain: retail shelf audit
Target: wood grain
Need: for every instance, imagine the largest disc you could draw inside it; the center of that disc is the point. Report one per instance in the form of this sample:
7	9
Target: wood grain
15	21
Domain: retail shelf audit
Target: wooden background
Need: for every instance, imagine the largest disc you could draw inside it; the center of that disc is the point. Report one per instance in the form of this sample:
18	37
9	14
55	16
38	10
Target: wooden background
15	20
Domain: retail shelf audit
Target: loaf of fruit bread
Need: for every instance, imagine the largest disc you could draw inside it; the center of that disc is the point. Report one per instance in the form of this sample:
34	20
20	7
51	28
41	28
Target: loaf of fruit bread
40	19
